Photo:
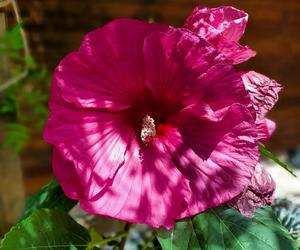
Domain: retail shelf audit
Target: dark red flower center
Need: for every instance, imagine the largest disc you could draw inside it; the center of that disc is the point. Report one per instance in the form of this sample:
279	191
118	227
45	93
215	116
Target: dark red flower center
148	114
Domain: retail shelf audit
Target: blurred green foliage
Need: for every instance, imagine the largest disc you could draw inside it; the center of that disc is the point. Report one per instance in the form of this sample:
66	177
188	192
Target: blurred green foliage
23	105
11	43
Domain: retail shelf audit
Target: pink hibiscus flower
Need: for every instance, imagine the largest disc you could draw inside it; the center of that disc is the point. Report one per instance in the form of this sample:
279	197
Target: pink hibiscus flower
151	124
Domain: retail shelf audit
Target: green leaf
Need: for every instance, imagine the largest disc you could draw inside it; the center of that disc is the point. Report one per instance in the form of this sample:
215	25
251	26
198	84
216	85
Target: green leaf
98	241
95	239
50	196
225	228
7	106
46	229
181	237
95	236
271	156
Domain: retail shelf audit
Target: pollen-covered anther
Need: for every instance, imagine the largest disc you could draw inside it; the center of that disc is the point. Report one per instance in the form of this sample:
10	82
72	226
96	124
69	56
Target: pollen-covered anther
148	131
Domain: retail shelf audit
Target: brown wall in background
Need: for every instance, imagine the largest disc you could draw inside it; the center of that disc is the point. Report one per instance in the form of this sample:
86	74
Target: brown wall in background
56	27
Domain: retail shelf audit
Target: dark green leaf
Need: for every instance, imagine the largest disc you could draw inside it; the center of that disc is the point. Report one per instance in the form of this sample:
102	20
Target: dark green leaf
46	229
41	74
272	157
225	228
7	106
50	196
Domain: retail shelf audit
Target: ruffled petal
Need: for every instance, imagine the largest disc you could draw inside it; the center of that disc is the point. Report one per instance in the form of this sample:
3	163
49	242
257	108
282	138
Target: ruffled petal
263	92
227	20
183	68
147	189
107	72
218	158
222	27
260	192
232	50
265	129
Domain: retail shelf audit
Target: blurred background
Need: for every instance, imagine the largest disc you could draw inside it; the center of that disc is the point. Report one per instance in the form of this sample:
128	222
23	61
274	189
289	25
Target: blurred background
54	28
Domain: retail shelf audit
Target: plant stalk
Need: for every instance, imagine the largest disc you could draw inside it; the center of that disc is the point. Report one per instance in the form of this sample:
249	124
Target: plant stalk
123	240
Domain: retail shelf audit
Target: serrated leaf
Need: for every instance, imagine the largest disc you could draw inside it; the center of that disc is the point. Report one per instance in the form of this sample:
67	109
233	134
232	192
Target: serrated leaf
225	228
273	157
50	196
46	229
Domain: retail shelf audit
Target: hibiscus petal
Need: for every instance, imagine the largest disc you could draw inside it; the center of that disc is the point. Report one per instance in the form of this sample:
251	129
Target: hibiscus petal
263	92
218	158
107	71
232	50
144	190
265	129
65	173
222	27
168	74
227	20
183	68
95	142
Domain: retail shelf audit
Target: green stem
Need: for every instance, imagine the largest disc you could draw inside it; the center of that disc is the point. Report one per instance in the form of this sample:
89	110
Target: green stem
123	240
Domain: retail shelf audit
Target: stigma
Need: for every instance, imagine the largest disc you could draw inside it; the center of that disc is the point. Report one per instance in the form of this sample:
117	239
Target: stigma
148	131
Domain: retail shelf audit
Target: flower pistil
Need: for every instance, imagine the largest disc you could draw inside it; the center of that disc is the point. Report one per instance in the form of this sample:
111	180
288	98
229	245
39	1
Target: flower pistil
148	131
